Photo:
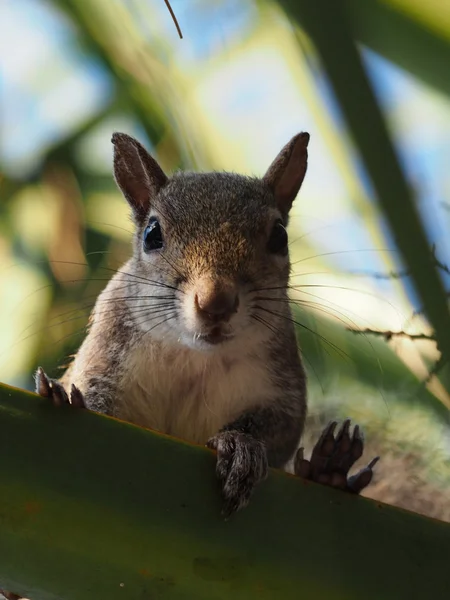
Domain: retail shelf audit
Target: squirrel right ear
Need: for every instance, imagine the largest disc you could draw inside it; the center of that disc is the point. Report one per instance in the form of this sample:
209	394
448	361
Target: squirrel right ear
285	175
137	174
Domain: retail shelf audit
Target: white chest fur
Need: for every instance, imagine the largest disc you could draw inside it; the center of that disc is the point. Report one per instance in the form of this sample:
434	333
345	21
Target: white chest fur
191	394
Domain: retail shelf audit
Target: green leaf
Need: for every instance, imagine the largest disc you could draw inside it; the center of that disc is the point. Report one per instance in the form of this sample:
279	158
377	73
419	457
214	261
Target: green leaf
327	25
402	40
94	508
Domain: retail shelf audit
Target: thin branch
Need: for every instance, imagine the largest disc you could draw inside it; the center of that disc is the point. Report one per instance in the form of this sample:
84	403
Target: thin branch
384	276
174	18
439	264
403	273
388	335
434	371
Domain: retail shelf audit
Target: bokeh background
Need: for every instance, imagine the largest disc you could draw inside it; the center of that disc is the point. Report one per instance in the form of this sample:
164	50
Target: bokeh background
368	80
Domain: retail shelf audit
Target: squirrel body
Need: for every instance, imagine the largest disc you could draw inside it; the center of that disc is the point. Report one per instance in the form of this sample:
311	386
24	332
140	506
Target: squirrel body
193	336
163	384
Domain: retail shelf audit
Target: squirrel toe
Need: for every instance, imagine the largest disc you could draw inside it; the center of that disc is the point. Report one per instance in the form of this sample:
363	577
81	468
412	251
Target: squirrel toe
333	456
54	391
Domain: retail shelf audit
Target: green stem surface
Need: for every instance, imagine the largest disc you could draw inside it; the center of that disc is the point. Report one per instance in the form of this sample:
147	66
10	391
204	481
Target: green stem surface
92	508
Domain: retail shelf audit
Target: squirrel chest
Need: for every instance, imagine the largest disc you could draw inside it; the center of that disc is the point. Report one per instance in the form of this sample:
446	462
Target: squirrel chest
188	394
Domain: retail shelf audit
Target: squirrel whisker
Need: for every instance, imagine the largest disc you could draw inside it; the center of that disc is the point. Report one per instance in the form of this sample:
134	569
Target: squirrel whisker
344	252
329	310
336	348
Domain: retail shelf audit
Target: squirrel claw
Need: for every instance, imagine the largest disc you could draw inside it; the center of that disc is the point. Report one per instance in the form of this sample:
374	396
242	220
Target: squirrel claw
52	389
241	464
332	458
76	397
362	479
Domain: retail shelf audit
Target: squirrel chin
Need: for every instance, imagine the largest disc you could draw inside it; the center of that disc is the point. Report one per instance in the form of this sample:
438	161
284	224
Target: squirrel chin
213	338
207	342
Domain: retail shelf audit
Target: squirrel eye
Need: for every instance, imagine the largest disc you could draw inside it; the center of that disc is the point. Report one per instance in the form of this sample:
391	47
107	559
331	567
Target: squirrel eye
152	235
278	239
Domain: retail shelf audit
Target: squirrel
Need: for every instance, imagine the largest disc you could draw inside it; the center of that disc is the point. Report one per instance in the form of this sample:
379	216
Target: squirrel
194	335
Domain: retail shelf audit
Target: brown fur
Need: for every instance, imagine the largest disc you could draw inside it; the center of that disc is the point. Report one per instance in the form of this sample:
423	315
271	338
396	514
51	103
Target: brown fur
149	356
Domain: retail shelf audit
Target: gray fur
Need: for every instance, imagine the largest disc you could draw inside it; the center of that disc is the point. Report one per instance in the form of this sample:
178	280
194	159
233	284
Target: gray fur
143	359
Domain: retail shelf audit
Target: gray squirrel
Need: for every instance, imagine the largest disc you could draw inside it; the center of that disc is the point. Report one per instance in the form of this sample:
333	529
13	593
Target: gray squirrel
194	335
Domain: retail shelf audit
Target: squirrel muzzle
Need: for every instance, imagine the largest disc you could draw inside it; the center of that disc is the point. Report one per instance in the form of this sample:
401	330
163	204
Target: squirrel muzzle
215	302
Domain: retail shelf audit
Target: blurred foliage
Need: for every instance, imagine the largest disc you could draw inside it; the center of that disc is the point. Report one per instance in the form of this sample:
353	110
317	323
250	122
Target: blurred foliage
341	60
64	228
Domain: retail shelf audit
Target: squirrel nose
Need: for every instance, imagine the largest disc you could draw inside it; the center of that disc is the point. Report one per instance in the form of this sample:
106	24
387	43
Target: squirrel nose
217	305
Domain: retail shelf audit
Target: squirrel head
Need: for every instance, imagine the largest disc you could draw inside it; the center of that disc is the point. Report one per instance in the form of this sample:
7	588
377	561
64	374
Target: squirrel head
211	249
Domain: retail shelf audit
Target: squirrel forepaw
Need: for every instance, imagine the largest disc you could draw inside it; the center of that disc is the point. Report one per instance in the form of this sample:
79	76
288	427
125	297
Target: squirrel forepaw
52	389
241	464
332	458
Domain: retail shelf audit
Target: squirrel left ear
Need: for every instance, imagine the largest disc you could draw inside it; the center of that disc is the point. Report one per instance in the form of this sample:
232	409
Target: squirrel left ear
285	175
137	174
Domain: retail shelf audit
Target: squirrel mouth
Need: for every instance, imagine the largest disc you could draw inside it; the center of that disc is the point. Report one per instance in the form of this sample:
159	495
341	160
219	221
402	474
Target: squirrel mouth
215	336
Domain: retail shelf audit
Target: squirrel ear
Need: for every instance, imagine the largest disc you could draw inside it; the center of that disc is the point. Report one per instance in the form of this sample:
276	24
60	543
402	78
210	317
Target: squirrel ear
285	175
137	174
